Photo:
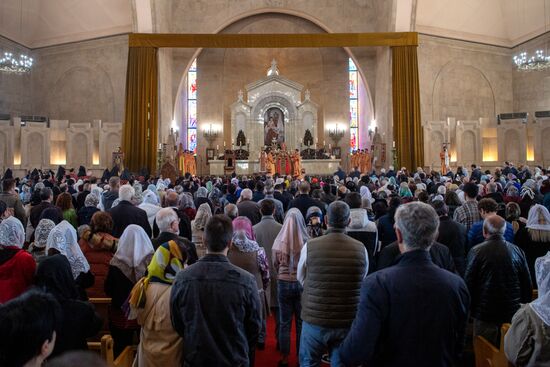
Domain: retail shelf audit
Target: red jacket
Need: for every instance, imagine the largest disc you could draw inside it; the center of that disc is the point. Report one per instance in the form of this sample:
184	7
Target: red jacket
17	269
98	250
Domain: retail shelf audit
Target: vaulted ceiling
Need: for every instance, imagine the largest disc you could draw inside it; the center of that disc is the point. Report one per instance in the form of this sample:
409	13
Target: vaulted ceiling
39	23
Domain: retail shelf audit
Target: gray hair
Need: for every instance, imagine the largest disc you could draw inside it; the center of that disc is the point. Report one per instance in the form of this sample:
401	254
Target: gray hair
246	194
418	223
126	193
165	217
338	213
231	211
494	225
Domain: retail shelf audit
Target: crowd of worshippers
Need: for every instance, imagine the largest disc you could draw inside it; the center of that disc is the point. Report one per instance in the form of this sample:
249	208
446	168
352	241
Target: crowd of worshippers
383	269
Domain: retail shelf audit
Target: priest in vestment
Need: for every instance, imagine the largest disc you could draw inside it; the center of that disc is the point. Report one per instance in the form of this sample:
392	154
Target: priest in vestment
270	164
181	160
263	161
296	164
367	162
192	164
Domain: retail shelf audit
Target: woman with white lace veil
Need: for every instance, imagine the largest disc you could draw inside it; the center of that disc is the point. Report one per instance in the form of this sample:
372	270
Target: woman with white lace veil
286	255
128	265
534	238
150	203
527	342
63	240
204	213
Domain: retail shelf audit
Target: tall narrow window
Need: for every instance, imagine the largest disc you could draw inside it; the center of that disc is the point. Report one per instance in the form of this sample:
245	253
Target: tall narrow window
353	106
192	107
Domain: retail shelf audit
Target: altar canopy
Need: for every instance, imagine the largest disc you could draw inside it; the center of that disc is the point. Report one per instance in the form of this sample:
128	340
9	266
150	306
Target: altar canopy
406	99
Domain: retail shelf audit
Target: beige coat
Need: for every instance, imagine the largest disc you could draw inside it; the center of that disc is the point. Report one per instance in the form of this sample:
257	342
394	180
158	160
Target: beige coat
160	345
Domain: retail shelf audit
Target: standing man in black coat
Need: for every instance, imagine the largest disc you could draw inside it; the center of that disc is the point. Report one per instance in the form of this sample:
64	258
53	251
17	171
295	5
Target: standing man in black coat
412	313
498	279
126	213
303	201
453	235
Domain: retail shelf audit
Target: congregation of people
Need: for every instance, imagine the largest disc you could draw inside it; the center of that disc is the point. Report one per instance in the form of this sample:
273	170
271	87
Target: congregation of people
387	268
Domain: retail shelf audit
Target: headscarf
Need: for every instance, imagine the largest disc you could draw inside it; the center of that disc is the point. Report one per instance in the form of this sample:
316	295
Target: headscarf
538	218
404	191
153	189
201	218
209	186
186	201
202	192
133	252
244	224
314	221
62	238
166	263
42	232
12	233
150	197
138	196
91	200
527	192
292	236
365	193
54	276
243	235
541	305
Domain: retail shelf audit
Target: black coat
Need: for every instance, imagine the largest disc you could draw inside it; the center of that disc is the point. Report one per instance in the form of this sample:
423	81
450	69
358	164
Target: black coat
410	314
439	254
85	214
124	214
453	235
251	210
532	249
303	202
498	279
188	245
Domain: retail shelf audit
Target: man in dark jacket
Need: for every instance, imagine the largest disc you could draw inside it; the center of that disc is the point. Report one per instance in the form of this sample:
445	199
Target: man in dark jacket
168	224
411	301
215	305
171	200
12	200
282	195
487	208
439	254
498	279
46	197
125	213
110	196
453	235
248	208
303	201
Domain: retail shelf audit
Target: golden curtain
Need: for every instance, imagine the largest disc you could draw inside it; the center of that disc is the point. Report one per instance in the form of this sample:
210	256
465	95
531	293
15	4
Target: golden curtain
140	131
407	125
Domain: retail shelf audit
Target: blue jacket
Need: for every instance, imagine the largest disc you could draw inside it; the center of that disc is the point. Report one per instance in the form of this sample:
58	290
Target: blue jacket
410	314
475	235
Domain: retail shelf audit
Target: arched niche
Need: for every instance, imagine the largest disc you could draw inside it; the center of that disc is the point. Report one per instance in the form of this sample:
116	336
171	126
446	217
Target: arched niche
469	147
512	146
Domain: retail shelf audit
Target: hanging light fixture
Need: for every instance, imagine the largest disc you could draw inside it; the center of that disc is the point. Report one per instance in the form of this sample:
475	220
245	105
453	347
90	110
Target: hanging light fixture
538	61
9	63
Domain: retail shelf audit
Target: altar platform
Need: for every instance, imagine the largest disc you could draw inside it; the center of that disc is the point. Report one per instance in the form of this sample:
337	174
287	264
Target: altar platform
249	167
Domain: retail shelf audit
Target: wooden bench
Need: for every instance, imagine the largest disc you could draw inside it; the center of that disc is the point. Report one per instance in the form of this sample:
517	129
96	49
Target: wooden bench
105	349
487	355
102	306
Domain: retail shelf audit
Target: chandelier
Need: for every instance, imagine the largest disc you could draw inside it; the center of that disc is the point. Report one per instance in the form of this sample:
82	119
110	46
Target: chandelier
534	63
11	64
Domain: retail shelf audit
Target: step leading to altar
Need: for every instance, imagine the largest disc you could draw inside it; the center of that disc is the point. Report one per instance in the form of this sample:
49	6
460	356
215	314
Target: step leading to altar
249	167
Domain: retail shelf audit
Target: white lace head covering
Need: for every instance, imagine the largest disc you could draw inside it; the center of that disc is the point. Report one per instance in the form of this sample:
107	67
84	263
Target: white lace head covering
293	234
204	213
541	305
12	233
63	239
42	232
538	218
150	197
366	194
134	253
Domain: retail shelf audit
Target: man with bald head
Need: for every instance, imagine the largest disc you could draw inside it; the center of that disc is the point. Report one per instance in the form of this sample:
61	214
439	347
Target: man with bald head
498	280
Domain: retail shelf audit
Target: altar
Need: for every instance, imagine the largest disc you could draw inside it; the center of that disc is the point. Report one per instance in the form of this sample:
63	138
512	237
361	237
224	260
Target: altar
323	167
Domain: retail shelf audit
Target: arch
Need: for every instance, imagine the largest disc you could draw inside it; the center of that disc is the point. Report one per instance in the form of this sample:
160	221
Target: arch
469	147
512	146
269	10
452	93
35	150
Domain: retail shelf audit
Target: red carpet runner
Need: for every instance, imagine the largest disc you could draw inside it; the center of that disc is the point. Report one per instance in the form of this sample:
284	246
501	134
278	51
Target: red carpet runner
270	356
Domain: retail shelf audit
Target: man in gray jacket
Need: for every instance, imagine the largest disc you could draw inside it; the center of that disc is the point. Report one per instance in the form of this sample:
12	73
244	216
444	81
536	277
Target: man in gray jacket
266	231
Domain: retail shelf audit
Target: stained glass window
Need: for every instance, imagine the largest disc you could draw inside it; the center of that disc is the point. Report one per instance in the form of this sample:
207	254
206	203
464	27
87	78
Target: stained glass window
353	106
192	107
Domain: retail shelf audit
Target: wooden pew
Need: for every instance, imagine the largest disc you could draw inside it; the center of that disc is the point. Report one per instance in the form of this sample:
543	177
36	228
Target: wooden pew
104	347
487	355
126	358
102	306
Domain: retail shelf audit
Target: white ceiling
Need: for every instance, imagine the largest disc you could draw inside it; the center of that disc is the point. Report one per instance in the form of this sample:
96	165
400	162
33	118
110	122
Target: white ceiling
497	22
49	22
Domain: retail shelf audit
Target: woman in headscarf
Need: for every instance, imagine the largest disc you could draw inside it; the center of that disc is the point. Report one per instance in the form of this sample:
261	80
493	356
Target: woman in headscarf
201	197
98	246
286	255
405	193
527	342
248	255
41	233
151	205
88	210
512	215
16	265
80	321
160	344
63	240
187	205
527	200
127	266
215	196
512	194
534	238
197	228
314	222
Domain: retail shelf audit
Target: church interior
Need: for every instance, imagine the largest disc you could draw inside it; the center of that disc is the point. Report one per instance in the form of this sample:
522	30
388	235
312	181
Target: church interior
69	107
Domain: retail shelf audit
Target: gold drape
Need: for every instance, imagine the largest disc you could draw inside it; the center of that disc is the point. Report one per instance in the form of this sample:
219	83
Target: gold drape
140	131
407	125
